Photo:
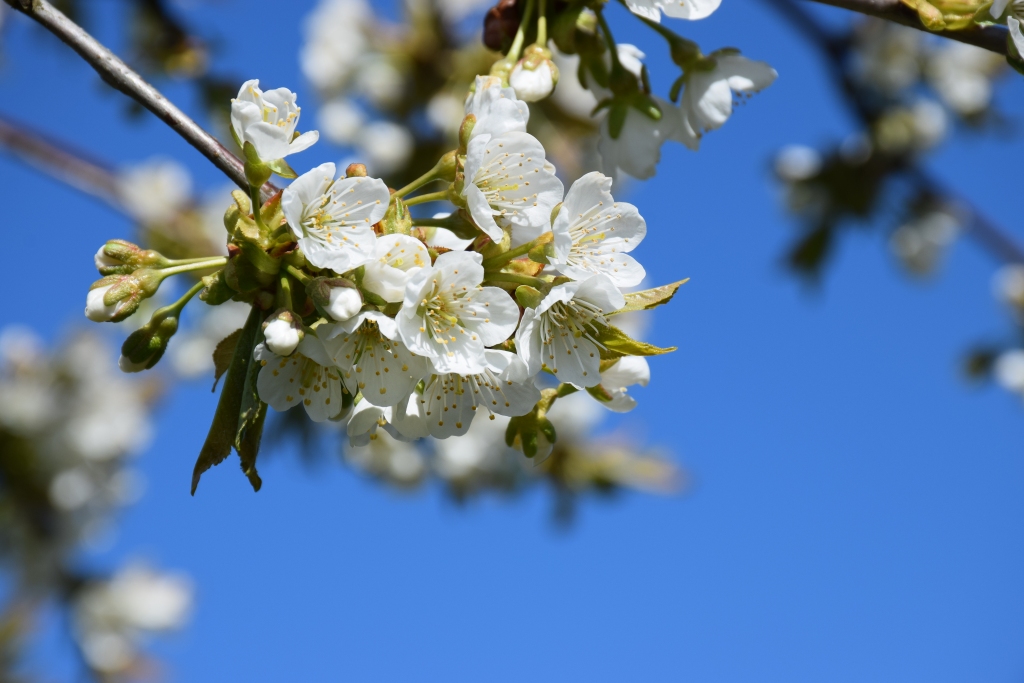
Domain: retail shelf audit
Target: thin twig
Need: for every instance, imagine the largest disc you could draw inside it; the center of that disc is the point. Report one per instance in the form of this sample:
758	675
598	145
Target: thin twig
59	161
834	48
118	75
992	38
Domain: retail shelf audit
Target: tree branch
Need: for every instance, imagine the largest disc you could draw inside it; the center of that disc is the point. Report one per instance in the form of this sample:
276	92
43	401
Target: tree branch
992	38
119	76
60	161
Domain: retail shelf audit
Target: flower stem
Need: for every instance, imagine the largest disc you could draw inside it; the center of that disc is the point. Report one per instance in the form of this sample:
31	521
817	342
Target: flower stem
198	265
535	282
175	308
517	44
429	197
612	49
542	24
433	174
284	293
297	274
254	197
496	262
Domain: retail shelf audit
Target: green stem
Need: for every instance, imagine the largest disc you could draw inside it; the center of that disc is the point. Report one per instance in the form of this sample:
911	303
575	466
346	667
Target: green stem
535	282
517	44
199	265
297	274
430	176
429	197
542	24
284	293
175	308
169	263
611	41
257	203
496	262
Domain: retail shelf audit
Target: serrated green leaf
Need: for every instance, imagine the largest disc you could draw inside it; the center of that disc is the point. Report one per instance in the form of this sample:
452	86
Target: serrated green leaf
222	355
649	298
251	417
617	344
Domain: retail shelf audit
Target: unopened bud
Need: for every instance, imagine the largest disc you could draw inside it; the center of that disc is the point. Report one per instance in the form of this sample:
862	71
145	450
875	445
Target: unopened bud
466	132
119	257
337	297
534	76
447	165
115	297
283	332
355	171
528	297
396	220
256	172
145	346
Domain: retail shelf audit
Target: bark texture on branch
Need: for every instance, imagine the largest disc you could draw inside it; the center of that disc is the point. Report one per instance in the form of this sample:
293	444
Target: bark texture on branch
119	76
992	38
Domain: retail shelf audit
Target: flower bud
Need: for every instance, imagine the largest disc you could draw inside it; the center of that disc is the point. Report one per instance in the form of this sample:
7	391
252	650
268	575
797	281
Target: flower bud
115	297
118	257
534	76
283	332
145	346
466	132
355	171
337	297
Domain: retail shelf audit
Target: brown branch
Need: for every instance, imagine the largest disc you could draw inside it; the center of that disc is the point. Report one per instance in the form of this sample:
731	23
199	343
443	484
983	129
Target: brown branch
119	76
992	38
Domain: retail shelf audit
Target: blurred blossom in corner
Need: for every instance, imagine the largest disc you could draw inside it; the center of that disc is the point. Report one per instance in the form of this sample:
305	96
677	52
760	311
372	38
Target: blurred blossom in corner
386	145
1008	285
962	76
334	42
156	190
921	242
1009	370
112	617
340	120
797	162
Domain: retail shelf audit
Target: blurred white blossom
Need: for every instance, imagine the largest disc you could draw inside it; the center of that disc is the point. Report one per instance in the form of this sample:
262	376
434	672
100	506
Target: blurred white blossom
155	190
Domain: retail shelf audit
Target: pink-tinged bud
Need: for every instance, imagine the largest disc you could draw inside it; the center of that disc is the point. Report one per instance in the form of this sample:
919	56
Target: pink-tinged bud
115	297
119	257
283	332
95	309
534	76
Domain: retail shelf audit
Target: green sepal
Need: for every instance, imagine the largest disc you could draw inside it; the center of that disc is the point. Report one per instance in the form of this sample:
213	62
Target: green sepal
650	298
281	168
677	88
396	220
600	393
528	297
264	262
217	290
224	428
617	343
616	119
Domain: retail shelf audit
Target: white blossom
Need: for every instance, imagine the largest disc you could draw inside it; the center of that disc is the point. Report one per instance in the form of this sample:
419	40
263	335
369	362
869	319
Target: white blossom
637	150
401	421
962	74
794	163
707	99
308	376
622	374
156	190
509	183
333	219
378	79
372	359
561	332
449	317
677	9
593	232
497	109
395	259
451	401
268	121
445	112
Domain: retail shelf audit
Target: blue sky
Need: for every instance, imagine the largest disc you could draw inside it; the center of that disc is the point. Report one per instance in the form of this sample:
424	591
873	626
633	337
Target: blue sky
856	509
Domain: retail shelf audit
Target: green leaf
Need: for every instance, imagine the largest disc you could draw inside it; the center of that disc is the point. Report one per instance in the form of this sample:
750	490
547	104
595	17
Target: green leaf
617	344
649	298
281	168
251	417
225	421
222	355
